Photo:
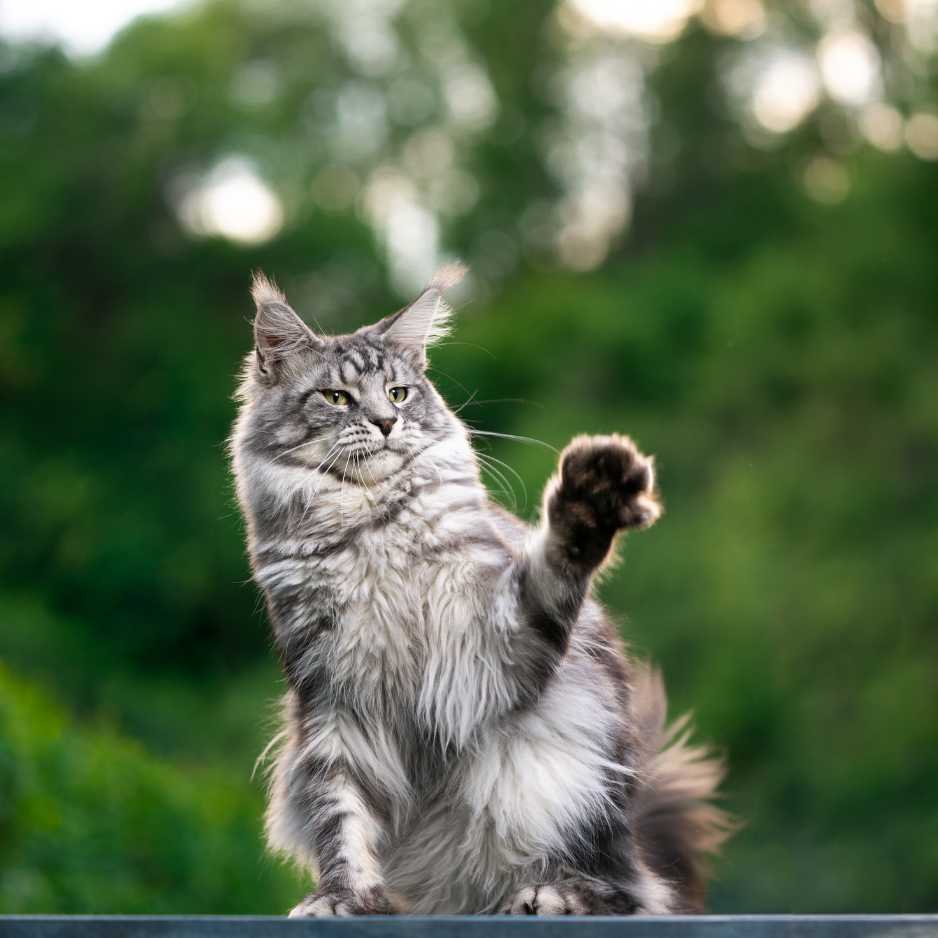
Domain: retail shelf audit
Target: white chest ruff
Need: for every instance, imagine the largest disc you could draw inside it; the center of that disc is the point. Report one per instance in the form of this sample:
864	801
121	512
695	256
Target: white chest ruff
411	623
381	615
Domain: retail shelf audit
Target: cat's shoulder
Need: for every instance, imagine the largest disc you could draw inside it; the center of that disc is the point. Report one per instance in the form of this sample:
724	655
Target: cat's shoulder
511	528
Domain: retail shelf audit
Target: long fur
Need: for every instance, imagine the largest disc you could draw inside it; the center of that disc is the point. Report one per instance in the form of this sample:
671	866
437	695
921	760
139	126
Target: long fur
676	821
463	730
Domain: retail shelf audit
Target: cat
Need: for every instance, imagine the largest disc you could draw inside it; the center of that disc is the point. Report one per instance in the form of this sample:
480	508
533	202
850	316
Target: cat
463	730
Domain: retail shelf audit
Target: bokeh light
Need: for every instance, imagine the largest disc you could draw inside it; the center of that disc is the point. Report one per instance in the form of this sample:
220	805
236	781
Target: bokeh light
786	91
231	201
660	21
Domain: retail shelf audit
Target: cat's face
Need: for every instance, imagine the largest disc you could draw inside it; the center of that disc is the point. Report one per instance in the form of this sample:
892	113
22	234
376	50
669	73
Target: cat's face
357	406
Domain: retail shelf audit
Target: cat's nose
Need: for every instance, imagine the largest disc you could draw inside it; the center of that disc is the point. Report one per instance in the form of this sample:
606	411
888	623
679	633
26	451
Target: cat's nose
384	424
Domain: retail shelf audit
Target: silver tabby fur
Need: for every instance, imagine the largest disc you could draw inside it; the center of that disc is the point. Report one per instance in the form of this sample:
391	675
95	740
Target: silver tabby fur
463	730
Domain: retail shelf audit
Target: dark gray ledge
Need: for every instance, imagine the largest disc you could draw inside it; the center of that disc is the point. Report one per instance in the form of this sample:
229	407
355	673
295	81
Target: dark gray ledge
711	926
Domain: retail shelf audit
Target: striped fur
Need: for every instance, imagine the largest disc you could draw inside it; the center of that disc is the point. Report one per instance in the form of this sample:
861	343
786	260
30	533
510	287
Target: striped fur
463	731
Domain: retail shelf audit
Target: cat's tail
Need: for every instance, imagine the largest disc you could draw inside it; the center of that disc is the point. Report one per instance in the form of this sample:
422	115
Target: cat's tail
675	819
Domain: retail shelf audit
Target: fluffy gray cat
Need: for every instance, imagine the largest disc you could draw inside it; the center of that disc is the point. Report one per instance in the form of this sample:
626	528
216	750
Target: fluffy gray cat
463	730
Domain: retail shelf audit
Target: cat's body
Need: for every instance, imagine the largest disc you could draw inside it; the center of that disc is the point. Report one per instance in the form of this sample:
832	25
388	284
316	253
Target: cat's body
463	731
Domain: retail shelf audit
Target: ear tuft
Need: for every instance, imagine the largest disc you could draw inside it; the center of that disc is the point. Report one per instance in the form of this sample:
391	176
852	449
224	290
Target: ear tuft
265	291
427	319
449	275
278	330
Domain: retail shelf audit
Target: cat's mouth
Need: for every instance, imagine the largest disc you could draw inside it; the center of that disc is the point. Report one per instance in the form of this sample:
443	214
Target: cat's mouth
379	449
373	464
375	453
369	451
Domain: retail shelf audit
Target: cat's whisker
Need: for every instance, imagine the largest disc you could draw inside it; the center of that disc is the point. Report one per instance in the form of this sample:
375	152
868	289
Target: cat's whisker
358	470
493	470
326	471
328	453
451	378
342	487
502	490
513	436
331	455
374	480
474	345
514	472
334	444
293	449
506	400
465	403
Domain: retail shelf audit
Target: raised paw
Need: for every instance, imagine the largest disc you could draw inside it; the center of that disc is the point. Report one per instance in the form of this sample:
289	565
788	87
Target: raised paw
342	902
604	485
609	481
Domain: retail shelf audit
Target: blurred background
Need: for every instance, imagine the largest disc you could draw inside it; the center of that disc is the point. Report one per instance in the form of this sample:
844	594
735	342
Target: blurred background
712	224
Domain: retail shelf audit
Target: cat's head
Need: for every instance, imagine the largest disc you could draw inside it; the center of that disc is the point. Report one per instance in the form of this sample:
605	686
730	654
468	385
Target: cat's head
361	401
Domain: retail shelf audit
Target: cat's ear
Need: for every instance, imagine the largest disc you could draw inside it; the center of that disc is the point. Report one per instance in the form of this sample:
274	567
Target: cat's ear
278	331
427	319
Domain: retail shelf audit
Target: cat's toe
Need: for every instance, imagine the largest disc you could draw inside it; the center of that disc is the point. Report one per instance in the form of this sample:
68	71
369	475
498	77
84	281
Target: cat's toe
523	902
545	900
316	907
342	902
611	476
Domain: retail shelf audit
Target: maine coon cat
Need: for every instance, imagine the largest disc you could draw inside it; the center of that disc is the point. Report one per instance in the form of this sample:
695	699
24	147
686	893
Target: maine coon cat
463	730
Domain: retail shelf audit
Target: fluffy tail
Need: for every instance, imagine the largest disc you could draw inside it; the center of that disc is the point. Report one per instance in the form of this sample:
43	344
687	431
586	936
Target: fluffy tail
675	820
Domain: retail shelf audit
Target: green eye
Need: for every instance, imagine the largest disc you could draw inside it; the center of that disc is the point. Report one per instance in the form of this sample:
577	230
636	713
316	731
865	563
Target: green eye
339	398
397	395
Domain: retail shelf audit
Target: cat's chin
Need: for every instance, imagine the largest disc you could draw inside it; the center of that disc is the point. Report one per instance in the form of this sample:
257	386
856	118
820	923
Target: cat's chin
380	465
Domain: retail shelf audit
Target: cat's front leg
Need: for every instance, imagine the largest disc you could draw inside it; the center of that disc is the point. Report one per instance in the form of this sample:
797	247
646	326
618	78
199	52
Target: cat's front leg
340	826
344	832
604	485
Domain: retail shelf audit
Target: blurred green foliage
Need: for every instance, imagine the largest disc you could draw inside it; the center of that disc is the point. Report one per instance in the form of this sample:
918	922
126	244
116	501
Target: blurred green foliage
91	821
777	352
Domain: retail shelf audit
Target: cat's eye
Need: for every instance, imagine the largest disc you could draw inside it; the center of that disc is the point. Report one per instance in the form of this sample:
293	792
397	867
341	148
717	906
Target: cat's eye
397	395
333	396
